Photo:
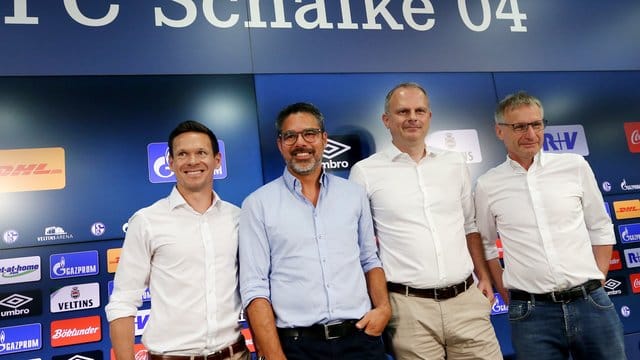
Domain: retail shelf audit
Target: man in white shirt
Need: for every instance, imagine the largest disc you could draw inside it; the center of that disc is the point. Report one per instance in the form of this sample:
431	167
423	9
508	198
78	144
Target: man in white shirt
184	248
557	240
424	220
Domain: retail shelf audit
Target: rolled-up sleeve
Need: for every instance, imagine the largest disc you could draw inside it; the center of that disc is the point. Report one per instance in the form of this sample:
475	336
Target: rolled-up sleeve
366	236
254	252
132	276
596	219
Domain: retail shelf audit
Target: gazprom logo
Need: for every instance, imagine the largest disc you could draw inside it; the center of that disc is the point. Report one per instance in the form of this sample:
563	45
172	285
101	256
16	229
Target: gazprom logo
20	338
158	163
629	233
84	263
499	306
566	139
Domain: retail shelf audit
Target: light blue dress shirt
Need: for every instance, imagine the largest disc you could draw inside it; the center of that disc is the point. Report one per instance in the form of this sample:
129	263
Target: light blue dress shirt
309	262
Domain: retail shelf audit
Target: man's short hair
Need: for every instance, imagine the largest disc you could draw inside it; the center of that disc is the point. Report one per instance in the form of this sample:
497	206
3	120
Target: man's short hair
193	126
414	85
513	101
300	107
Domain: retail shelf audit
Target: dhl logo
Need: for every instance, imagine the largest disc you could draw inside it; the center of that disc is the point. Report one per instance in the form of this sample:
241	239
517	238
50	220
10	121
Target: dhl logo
627	209
32	169
113	258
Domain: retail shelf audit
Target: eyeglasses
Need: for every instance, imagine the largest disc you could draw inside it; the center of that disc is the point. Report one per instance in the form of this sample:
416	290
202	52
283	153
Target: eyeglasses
523	127
309	135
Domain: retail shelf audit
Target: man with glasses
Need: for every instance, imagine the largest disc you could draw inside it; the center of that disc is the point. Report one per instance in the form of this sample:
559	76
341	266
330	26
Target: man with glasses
310	276
423	213
557	240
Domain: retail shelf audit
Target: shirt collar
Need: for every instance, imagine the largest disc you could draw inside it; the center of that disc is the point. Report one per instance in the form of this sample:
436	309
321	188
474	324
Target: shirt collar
293	183
176	199
393	153
539	160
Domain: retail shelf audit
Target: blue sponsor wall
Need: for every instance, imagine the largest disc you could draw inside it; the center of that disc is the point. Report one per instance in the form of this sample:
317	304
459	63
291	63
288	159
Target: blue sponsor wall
107	82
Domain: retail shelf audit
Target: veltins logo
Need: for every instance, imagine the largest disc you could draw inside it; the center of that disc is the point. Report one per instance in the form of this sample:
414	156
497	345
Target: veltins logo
341	152
632	130
85	355
14	339
615	286
53	233
67	265
464	141
634	279
627	209
616	262
113	258
19	270
75	297
141	320
146	296
20	304
75	331
629	233
499	307
158	163
565	139
140	352
632	256
32	169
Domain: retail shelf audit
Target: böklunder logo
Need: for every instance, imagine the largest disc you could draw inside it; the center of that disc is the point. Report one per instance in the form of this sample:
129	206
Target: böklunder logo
76	331
32	169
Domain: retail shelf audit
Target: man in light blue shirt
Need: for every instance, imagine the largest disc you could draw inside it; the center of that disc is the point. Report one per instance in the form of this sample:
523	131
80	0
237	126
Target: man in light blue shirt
310	276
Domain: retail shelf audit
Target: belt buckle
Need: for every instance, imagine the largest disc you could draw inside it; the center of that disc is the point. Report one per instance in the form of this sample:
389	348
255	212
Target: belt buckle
327	331
557	300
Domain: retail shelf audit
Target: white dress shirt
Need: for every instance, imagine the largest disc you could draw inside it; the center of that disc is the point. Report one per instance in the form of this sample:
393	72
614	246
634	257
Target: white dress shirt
422	213
189	262
548	218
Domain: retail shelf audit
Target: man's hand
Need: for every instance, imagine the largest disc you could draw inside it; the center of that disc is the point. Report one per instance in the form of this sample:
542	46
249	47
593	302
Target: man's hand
374	321
485	287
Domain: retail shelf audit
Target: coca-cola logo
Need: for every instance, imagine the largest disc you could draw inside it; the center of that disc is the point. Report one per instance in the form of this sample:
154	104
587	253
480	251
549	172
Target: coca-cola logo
635	137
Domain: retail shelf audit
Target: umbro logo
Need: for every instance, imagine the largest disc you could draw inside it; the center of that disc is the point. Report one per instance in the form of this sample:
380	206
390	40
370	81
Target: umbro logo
612	284
15	301
334	149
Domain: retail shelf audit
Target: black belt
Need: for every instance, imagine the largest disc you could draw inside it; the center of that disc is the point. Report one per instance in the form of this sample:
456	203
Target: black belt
573	293
437	293
322	331
218	355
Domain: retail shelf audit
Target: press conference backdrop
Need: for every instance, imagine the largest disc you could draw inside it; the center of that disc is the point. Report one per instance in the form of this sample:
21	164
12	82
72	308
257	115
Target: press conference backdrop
79	154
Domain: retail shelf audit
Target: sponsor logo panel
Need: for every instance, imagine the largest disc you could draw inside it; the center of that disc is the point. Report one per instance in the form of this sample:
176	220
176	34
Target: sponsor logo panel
20	304
632	256
158	163
19	270
53	233
341	152
627	209
140	352
629	233
67	265
32	169
146	296
75	297
141	320
86	355
113	258
565	139
15	339
464	141
634	279
75	331
499	306
98	229
615	286
629	186
616	262
632	132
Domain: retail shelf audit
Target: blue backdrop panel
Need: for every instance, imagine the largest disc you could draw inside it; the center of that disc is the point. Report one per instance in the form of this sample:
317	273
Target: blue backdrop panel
104	125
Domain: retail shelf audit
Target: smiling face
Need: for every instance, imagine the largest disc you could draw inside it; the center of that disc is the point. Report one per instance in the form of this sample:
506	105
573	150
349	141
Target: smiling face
302	157
408	117
193	162
521	147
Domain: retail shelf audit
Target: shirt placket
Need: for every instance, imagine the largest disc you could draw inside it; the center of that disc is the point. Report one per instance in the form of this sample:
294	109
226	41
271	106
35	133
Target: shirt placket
206	234
437	244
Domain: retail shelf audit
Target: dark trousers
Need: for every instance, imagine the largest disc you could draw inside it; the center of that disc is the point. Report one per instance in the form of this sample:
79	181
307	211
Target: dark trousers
357	346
